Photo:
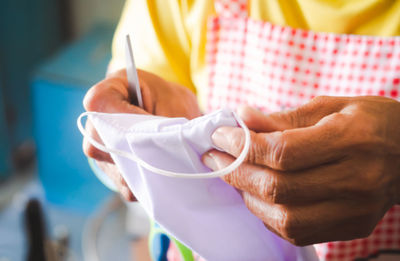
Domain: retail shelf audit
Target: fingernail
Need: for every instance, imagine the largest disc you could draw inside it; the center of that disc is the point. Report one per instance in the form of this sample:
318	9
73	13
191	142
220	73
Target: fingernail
209	161
220	139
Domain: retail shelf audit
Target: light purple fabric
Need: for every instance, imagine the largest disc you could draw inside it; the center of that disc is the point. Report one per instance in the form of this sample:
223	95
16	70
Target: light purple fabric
207	215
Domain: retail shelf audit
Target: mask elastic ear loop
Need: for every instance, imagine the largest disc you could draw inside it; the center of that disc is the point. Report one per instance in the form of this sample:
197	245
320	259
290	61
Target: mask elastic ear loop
132	156
97	144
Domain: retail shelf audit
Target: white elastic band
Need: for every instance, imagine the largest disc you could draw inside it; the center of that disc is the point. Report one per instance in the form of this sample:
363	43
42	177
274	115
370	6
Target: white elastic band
219	173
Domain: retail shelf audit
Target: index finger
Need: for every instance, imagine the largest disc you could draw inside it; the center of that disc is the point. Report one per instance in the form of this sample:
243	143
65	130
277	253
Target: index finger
291	149
112	96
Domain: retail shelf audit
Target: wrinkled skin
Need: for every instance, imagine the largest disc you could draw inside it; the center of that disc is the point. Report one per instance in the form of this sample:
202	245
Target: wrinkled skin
326	171
112	96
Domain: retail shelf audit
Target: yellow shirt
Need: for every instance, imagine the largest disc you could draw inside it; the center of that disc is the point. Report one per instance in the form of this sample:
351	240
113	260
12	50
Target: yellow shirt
169	36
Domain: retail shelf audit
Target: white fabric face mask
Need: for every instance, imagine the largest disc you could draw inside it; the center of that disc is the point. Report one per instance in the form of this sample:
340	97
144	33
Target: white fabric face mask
160	159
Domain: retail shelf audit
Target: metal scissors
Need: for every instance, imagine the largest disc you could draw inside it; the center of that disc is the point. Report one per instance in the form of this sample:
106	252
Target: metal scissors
131	71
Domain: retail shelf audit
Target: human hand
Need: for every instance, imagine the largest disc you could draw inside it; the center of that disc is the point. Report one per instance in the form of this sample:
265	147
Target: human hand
326	171
112	96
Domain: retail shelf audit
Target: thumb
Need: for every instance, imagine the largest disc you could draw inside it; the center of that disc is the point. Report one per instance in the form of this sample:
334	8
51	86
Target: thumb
306	115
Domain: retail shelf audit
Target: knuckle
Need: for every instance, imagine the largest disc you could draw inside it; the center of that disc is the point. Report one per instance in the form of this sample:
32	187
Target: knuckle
371	182
371	130
337	116
298	117
337	130
321	100
256	153
289	225
237	142
294	117
280	153
273	190
235	178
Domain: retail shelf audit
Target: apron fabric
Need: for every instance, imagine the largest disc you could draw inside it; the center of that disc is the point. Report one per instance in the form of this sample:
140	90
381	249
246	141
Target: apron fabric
275	67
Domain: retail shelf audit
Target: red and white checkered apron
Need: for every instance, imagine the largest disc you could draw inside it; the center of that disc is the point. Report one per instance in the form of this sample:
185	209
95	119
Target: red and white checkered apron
274	67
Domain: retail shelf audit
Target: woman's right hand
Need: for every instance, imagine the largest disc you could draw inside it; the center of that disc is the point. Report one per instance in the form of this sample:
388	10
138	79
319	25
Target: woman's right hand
112	95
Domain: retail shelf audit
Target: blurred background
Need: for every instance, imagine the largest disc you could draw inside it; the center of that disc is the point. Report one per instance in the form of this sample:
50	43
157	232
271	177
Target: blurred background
51	52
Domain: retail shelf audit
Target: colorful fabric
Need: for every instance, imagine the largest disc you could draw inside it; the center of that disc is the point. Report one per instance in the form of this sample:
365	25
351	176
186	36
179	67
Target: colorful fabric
274	67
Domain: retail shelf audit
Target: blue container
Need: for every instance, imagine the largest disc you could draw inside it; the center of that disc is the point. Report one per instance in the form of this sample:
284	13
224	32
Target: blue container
30	31
58	90
5	160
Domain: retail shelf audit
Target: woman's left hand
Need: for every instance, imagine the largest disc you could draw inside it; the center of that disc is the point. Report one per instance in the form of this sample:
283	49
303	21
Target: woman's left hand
326	171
